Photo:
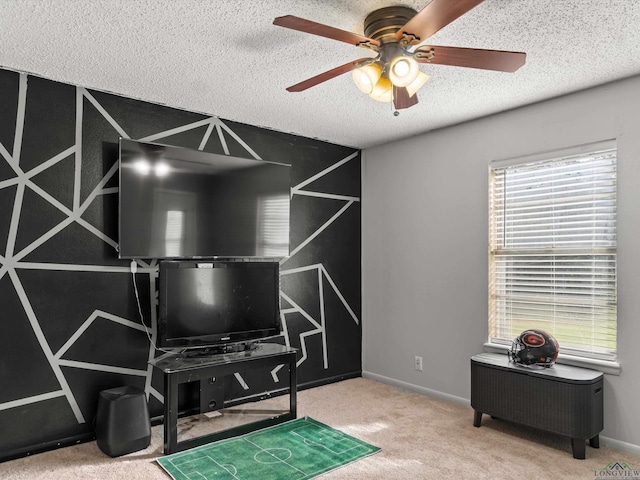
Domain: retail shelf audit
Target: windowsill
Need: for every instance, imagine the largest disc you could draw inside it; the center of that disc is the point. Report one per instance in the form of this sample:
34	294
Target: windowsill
604	366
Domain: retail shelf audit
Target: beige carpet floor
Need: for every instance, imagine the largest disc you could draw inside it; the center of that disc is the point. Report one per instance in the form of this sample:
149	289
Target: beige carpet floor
420	437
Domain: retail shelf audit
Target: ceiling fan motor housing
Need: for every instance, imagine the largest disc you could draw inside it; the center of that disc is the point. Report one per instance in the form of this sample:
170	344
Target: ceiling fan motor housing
382	24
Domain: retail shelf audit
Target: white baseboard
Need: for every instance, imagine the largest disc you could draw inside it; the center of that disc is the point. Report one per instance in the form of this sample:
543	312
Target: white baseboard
620	445
418	389
604	441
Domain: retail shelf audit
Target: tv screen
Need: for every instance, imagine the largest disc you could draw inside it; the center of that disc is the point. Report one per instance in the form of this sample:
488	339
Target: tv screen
182	203
208	304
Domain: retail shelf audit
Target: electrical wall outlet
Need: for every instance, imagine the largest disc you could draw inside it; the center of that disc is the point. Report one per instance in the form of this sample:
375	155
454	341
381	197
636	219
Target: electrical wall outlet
418	363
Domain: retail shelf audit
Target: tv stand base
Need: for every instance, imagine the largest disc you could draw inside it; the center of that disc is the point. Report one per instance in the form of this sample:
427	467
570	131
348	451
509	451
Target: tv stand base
178	369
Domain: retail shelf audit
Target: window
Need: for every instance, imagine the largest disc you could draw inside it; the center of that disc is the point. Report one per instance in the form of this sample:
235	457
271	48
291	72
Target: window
552	250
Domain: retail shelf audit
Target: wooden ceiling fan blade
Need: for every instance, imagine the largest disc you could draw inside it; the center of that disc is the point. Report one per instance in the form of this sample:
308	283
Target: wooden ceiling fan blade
499	60
402	99
307	26
329	74
433	17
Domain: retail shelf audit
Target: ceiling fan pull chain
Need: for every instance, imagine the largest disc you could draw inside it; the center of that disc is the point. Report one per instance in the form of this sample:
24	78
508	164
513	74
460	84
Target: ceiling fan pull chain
394	110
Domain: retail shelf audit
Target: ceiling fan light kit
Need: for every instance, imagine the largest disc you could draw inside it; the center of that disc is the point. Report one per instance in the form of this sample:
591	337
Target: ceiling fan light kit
383	90
393	32
403	70
366	77
417	84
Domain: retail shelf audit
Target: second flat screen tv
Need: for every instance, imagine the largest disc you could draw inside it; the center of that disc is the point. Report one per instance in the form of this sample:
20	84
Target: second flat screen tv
182	203
210	304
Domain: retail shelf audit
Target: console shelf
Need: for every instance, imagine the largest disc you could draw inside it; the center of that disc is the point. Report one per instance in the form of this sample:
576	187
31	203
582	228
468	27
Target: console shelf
178	369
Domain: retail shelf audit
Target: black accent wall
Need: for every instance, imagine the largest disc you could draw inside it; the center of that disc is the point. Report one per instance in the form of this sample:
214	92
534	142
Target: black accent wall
70	325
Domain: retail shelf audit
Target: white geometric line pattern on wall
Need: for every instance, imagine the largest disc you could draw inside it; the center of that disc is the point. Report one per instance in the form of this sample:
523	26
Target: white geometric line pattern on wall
34	399
297	190
318	175
206	136
153	334
96	367
320	328
326	275
7	156
22	104
223	141
84	92
11	262
87	324
297	309
77	178
316	233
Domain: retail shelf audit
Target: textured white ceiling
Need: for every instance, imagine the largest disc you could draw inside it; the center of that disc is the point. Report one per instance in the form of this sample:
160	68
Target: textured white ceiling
225	58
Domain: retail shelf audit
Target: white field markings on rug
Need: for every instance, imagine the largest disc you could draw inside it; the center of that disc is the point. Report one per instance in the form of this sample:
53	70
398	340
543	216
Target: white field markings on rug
11	261
276	459
336	442
189	471
332	437
193	468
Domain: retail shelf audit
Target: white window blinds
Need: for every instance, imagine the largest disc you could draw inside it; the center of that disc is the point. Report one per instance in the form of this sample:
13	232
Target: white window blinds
552	252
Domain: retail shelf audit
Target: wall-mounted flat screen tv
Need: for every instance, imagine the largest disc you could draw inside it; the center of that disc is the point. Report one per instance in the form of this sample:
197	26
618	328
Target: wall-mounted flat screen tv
182	203
210	304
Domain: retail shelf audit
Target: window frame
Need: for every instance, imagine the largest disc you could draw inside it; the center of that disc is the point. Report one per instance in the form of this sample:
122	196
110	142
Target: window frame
607	363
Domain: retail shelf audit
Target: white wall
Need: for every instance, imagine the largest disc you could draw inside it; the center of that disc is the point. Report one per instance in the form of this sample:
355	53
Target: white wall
425	241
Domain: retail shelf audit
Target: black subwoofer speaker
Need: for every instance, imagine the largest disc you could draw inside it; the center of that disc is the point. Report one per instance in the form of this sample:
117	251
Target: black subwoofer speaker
122	421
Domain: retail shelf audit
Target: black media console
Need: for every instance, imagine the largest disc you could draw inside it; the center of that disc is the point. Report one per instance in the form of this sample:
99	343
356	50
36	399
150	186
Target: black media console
562	399
180	369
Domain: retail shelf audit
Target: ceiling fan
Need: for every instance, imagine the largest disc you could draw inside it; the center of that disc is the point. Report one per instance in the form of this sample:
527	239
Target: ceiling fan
393	32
